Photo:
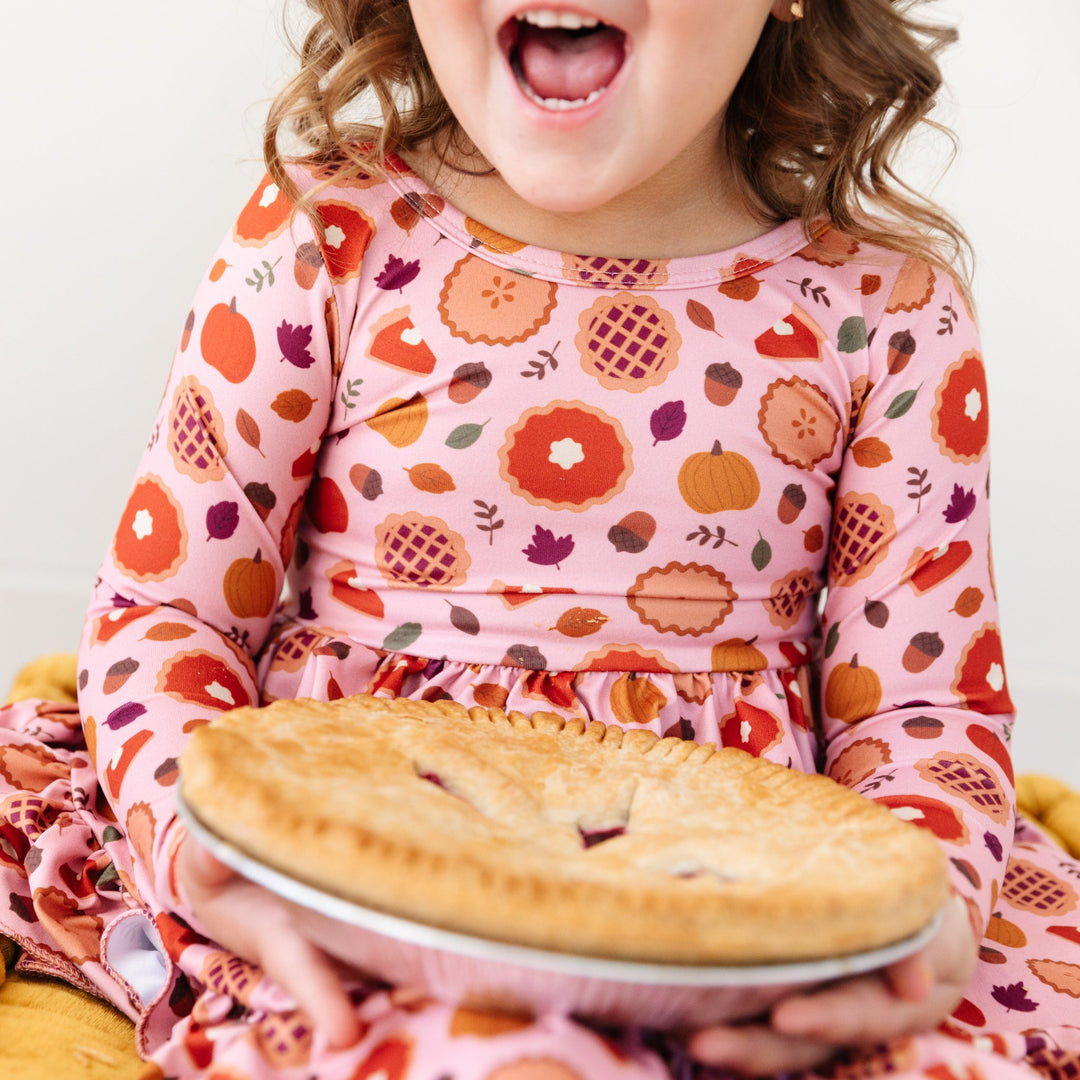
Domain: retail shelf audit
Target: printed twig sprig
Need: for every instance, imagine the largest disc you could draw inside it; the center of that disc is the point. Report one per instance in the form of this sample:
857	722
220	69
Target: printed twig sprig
490	524
259	278
949	319
818	293
703	534
920	487
539	368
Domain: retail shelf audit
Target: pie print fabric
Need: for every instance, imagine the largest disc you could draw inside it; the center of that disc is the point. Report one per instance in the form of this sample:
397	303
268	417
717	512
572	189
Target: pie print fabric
738	498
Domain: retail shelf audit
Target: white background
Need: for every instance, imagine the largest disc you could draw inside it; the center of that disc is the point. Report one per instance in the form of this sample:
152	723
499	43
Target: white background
135	139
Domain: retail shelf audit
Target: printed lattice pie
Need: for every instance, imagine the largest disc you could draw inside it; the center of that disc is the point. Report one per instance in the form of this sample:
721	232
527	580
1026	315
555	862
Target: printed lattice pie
628	342
562	835
863	527
605	272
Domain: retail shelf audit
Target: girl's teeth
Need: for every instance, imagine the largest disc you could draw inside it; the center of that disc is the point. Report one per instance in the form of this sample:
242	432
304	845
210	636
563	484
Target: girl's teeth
561	103
561	20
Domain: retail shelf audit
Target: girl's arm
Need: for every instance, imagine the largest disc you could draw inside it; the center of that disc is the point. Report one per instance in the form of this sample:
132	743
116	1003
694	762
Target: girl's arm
188	589
914	709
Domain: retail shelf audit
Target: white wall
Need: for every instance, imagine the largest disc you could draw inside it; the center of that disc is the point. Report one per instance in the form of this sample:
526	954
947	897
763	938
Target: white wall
135	140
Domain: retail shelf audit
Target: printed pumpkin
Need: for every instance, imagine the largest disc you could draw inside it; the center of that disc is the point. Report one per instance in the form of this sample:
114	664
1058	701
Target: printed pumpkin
716	480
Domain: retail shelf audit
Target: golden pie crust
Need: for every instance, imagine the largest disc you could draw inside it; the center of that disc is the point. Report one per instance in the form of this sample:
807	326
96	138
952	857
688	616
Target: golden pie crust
562	835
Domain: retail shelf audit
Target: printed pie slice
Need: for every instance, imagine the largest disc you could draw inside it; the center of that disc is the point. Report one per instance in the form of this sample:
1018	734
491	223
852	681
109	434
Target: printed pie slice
794	337
515	596
562	835
396	341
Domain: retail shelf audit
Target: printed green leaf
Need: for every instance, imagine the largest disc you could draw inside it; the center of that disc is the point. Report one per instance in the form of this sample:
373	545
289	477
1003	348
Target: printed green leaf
465	435
402	636
852	335
832	639
762	553
901	403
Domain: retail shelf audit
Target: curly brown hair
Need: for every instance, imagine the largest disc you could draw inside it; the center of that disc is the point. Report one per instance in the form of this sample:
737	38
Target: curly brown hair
813	128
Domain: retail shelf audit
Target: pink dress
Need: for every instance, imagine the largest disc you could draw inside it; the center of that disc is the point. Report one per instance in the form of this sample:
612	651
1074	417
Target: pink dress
740	498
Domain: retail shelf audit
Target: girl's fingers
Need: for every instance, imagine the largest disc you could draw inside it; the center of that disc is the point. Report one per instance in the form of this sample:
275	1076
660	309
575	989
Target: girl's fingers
910	979
251	922
755	1050
201	869
311	978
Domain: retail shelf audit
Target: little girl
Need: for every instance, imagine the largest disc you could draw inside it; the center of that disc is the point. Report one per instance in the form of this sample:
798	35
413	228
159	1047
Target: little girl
612	374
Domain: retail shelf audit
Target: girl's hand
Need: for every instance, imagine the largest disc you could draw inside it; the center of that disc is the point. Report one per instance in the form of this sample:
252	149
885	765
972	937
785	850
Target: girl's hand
251	922
805	1030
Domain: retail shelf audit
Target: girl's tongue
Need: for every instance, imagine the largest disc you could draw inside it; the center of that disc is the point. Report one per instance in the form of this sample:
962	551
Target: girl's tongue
568	64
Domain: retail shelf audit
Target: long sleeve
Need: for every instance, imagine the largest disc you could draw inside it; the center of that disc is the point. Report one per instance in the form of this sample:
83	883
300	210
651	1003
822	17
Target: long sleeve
916	711
188	589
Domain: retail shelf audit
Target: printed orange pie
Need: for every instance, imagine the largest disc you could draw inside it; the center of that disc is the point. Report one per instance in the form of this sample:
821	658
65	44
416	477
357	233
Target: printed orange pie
959	420
798	422
151	539
566	456
481	301
563	834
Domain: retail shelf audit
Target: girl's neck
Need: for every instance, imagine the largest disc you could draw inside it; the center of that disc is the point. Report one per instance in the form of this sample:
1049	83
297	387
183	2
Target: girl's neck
689	207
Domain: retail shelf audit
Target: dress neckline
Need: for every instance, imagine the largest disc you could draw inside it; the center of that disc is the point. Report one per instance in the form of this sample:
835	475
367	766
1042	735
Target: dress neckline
687	271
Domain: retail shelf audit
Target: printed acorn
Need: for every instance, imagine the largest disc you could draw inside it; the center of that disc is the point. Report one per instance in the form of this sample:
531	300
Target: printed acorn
633	532
901	350
367	481
468	381
922	651
308	263
923	727
189	325
722	383
792	501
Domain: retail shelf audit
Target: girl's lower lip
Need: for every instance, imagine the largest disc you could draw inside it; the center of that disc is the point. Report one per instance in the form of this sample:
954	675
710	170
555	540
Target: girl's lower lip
560	115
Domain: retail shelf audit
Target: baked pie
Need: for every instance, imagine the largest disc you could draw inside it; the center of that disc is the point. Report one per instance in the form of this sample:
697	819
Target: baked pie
560	834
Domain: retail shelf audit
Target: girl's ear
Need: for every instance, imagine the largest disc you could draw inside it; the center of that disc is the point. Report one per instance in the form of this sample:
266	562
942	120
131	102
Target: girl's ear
787	10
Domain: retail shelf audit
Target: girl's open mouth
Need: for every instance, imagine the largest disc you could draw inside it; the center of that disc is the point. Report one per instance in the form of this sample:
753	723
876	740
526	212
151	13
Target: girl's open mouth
561	59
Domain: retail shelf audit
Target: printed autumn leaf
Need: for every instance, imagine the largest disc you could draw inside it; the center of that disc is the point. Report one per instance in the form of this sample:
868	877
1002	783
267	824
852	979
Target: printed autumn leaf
461	618
412	206
401	637
876	613
431	478
580	622
701	316
968	602
871	452
124	714
168	631
546	550
667	421
961	505
293	342
852	334
902	403
405	215
761	555
293	405
221	520
249	430
1014	996
993	845
397	273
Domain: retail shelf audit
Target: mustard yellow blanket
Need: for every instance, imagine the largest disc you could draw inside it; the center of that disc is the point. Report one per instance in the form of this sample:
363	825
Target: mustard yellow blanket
98	1042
